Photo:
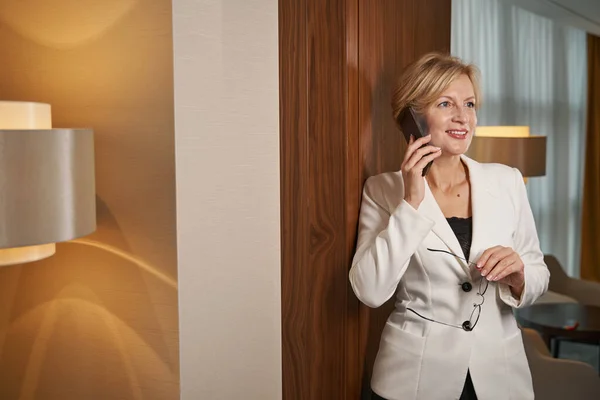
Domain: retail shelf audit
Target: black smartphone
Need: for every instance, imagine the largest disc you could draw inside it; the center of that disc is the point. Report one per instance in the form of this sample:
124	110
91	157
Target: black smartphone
413	124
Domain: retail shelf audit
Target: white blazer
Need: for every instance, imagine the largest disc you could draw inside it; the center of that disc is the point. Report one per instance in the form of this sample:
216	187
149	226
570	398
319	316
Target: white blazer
419	359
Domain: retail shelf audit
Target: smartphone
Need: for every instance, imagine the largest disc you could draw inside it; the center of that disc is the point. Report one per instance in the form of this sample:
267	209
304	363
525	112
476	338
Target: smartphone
414	124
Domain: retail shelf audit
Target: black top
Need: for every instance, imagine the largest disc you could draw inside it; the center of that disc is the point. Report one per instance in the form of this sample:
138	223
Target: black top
463	229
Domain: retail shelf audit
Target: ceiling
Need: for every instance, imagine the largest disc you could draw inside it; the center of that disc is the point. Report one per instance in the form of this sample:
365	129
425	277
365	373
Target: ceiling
589	9
582	14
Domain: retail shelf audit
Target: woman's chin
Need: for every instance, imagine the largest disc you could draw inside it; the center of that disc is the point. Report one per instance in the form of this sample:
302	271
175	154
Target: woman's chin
453	152
457	149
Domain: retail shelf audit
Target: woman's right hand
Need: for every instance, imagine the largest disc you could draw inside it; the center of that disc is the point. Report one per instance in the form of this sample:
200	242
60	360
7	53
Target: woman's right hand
415	160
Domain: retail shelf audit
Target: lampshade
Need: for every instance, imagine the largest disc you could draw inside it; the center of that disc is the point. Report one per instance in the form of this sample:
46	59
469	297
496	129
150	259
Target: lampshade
512	146
25	115
47	185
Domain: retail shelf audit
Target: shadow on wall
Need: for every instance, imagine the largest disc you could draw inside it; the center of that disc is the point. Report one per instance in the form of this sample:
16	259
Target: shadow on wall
386	48
382	147
99	319
83	321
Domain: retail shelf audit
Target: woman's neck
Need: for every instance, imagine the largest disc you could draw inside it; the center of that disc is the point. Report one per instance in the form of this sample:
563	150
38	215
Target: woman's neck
446	173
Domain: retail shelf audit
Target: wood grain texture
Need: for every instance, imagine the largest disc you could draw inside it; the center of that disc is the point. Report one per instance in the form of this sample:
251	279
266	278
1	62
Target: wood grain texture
354	354
327	156
294	196
392	35
338	62
313	159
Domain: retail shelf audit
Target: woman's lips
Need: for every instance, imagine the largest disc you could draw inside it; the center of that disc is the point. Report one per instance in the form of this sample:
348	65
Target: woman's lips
458	133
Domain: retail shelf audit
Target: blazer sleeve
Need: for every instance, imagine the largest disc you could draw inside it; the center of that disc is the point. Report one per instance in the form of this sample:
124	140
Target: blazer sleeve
527	245
386	242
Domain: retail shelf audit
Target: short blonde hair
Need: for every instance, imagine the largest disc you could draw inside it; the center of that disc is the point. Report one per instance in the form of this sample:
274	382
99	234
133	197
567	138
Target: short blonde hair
423	81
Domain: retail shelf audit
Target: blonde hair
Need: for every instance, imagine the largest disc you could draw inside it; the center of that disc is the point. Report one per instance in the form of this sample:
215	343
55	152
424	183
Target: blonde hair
423	81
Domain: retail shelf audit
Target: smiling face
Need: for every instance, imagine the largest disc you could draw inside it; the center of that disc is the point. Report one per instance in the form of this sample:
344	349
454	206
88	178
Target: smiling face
451	119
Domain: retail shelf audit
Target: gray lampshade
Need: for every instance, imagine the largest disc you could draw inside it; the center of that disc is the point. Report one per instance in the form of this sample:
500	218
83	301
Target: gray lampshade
47	188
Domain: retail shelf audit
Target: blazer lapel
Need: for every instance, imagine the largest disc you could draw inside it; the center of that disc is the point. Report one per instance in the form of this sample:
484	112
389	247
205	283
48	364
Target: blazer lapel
483	197
483	201
442	229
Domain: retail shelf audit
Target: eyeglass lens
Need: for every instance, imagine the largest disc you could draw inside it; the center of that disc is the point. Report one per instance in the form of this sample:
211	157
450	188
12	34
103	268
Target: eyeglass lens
474	316
483	286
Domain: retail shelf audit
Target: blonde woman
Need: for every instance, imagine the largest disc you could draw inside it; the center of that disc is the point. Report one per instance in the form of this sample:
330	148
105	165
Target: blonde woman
458	248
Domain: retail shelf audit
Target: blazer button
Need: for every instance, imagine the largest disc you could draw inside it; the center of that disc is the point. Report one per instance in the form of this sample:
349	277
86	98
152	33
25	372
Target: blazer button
466	286
467	326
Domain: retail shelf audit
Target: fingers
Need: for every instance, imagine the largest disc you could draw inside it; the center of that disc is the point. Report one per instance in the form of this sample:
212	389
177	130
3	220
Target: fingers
491	257
414	145
503	268
418	155
486	256
422	141
418	142
425	160
515	267
499	262
407	153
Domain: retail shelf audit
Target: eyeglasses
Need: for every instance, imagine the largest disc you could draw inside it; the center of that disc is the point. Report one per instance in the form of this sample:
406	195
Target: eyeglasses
470	324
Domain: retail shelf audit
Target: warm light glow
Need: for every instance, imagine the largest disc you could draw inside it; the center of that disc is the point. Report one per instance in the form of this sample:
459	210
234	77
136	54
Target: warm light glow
502	131
131	258
64	24
25	115
78	300
20	255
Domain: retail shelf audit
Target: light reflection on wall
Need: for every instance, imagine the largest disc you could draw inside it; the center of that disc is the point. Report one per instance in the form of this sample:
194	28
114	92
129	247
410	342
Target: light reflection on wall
99	320
50	312
63	24
154	271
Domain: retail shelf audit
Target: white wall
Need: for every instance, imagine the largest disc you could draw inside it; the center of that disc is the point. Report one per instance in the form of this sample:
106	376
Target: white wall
227	161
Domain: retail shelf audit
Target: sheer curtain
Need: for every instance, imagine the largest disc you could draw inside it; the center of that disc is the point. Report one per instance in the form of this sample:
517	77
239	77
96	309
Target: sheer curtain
534	73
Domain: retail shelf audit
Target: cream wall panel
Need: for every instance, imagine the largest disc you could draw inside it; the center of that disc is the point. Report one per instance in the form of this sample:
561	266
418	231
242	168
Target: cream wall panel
227	145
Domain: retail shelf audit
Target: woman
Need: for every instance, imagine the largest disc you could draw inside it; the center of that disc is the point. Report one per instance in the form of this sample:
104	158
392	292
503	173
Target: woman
452	334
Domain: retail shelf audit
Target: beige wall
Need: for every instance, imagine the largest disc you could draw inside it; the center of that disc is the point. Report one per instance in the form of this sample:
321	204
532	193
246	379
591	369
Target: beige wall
98	320
227	141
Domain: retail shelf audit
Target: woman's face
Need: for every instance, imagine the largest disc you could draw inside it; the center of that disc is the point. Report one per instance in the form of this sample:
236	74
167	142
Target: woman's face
451	119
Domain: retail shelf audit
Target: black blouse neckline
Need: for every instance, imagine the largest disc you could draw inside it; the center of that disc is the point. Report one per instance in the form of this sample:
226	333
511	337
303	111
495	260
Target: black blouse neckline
463	229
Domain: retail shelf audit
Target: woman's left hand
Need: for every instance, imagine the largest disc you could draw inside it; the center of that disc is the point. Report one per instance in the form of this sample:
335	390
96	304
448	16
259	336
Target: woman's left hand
503	265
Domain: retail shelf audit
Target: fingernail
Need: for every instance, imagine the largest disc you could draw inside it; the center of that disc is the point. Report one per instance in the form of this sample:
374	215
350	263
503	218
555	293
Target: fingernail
496	278
478	266
490	278
483	273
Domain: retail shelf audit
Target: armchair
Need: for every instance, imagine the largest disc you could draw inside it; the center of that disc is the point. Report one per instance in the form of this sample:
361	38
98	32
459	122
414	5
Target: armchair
556	378
585	292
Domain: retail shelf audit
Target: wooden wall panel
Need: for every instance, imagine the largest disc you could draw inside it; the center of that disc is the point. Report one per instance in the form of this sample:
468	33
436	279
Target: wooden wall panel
392	34
313	156
294	196
354	355
327	158
338	62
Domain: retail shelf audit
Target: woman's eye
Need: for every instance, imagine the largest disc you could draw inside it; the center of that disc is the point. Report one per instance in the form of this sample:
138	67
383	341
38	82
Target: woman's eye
444	104
470	104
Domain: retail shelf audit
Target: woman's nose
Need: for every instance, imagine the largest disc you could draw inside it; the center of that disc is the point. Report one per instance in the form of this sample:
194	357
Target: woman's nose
461	115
